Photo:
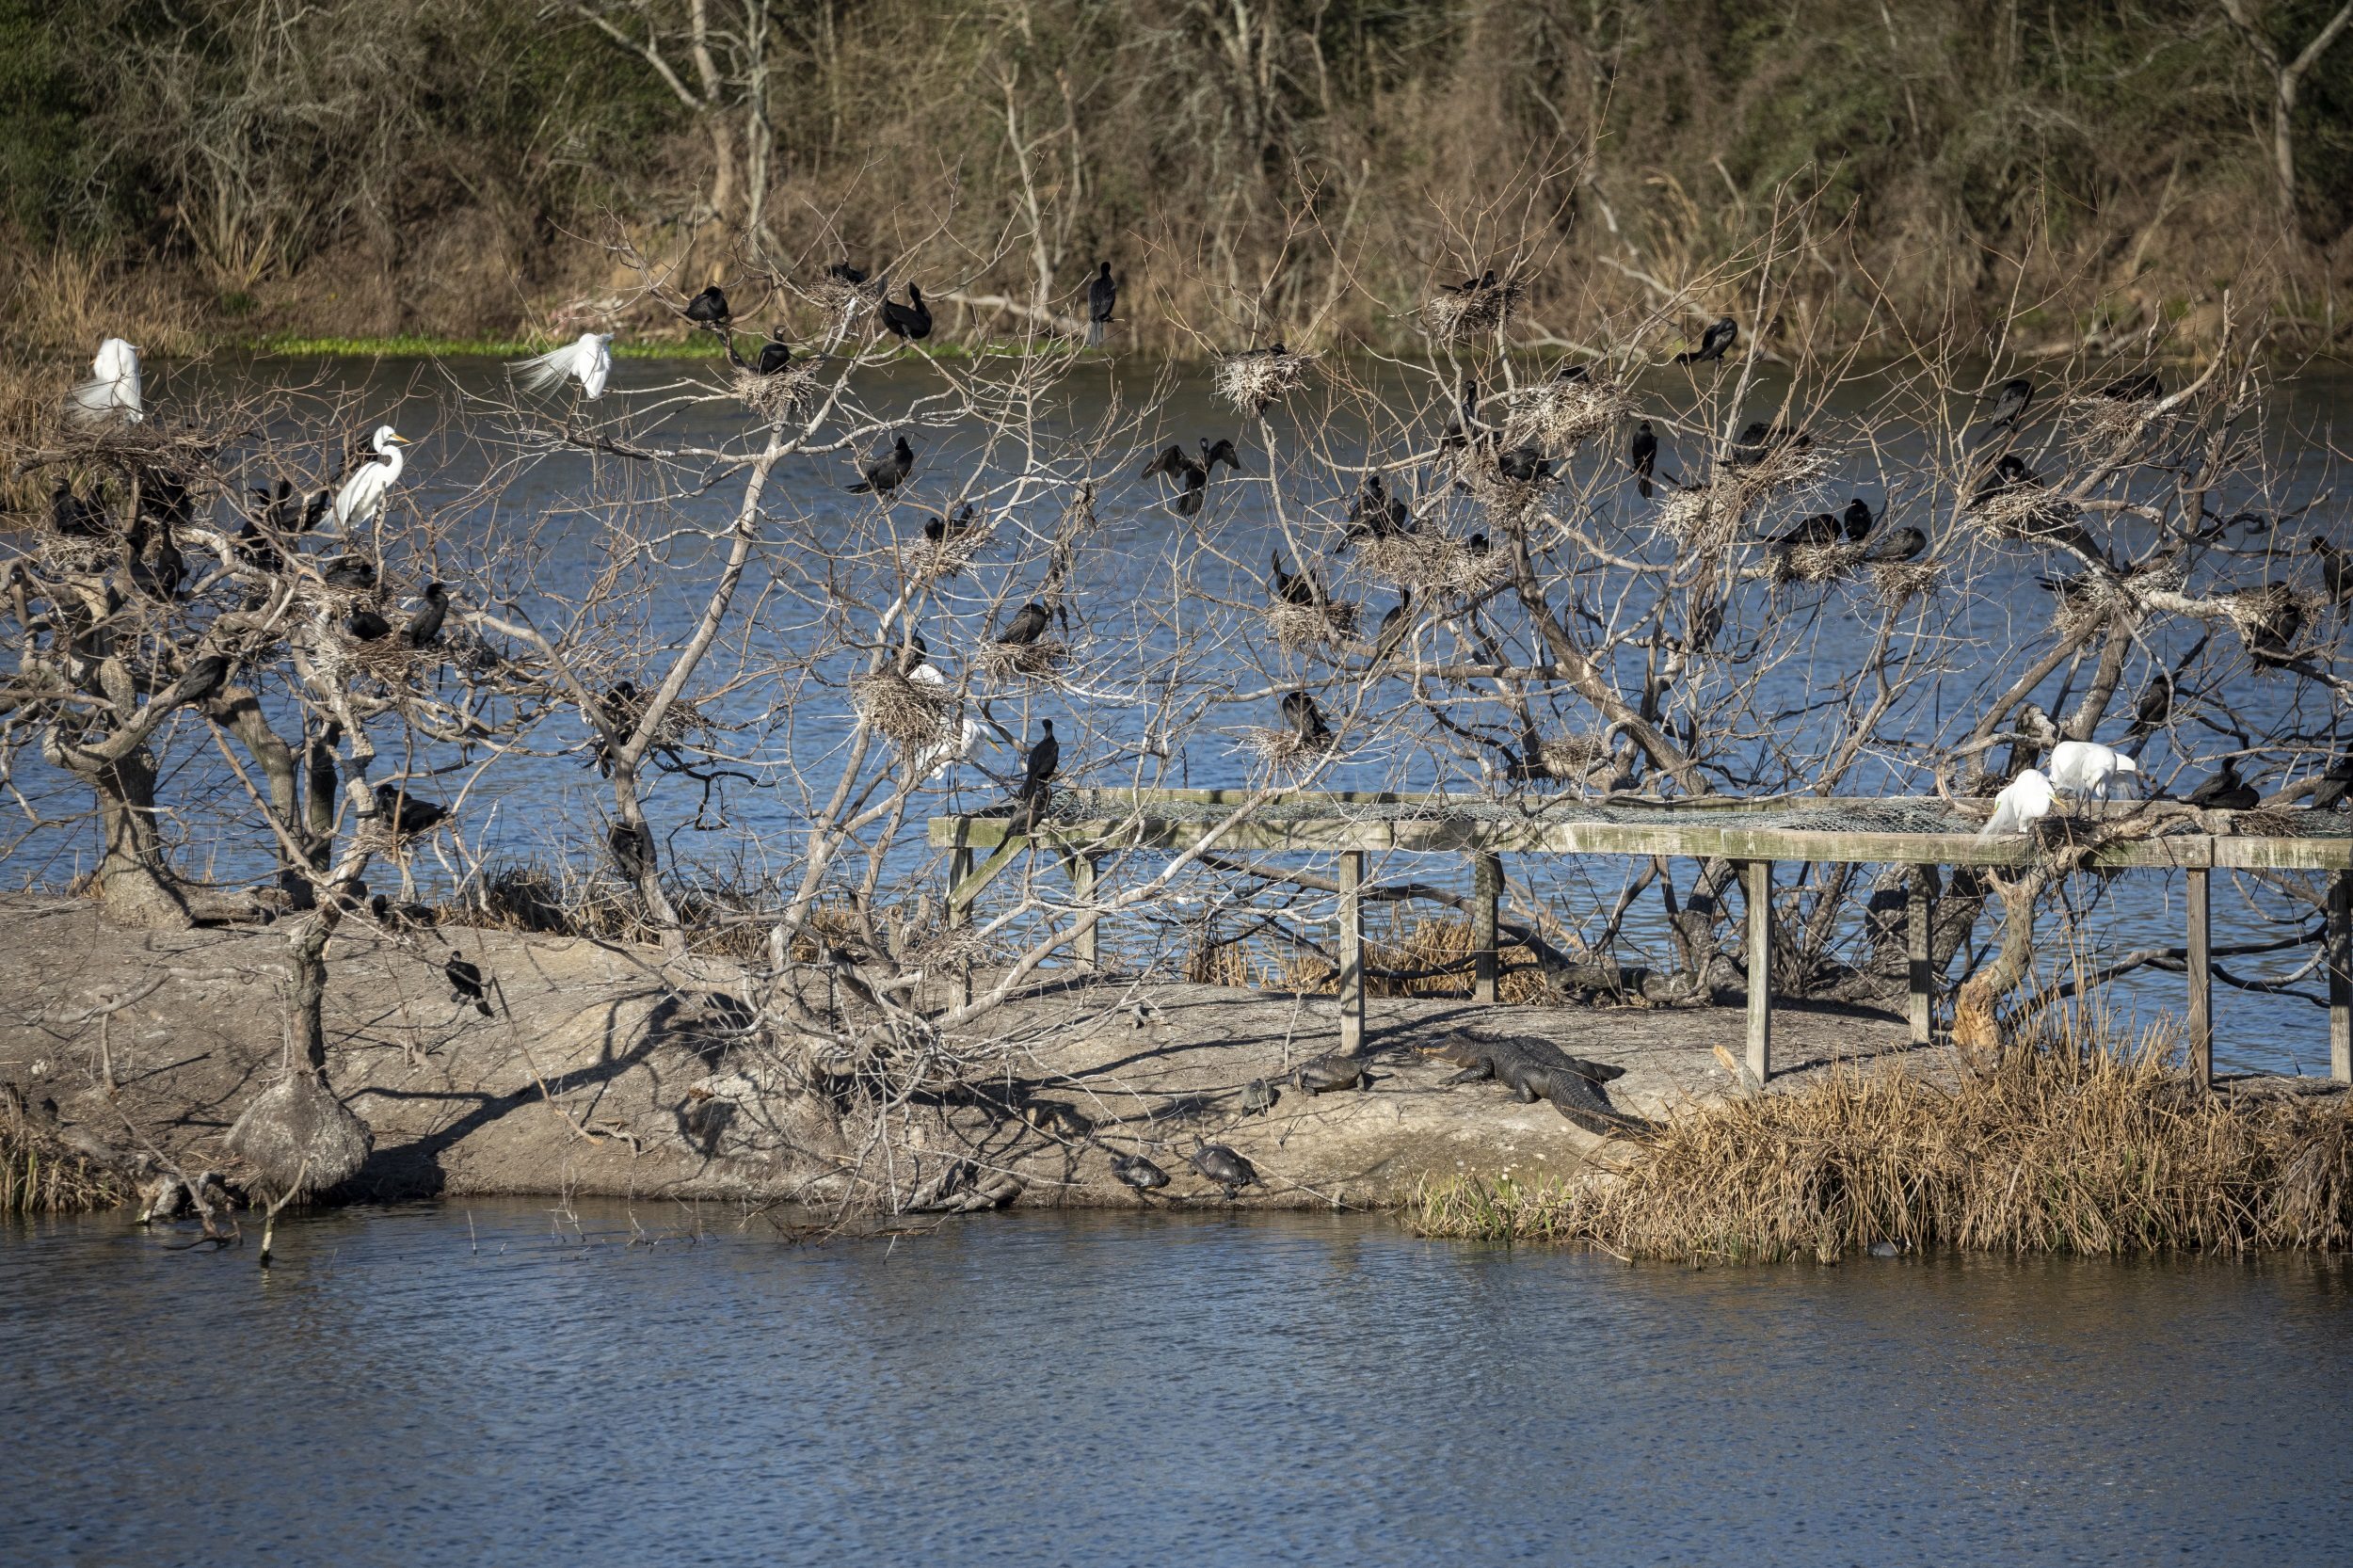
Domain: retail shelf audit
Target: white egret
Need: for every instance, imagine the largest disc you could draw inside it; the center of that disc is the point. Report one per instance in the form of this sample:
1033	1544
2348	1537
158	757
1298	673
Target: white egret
362	495
589	361
2084	768
2025	798
938	757
113	389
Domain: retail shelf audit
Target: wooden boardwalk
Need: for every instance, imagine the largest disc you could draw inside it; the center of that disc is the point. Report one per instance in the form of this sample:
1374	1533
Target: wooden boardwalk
1088	824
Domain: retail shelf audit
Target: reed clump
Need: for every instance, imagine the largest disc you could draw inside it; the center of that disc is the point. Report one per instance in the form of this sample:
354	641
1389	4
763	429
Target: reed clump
2054	1149
41	1174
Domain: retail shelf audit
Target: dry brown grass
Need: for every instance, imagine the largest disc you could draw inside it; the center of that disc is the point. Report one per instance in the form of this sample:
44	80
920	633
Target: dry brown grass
40	1175
2058	1149
1418	942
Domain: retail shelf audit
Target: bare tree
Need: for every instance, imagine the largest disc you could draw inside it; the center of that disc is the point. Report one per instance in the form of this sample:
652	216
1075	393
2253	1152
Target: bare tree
2287	81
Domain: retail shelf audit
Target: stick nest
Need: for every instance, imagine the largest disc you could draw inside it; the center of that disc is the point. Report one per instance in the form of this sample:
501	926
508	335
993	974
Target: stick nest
2026	512
1451	316
300	1139
940	558
840	302
2096	423
2263	611
915	717
1814	563
1431	561
1253	381
1558	414
776	398
1899	580
1711	516
1042	660
1288	747
1300	626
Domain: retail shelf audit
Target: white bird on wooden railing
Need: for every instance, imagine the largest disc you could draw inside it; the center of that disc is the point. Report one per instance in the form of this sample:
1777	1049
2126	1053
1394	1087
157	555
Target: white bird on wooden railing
2086	768
2025	798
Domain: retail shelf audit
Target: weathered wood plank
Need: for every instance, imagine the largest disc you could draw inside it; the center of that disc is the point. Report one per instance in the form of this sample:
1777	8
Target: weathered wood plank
2200	967
1352	947
1486	894
1759	878
2341	977
1919	928
1085	946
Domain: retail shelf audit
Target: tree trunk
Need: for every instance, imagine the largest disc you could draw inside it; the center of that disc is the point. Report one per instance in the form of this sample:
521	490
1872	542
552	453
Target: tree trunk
138	888
1974	1027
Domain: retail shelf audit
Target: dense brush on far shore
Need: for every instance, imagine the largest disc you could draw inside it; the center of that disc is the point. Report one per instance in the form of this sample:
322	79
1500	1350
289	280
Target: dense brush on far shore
359	169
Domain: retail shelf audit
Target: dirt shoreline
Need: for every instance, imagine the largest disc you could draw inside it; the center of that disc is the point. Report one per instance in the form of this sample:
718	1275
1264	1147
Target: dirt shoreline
598	1076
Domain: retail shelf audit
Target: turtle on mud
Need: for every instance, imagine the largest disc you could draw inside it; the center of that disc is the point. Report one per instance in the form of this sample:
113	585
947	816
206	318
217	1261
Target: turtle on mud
1338	1070
1258	1097
1138	1172
1229	1170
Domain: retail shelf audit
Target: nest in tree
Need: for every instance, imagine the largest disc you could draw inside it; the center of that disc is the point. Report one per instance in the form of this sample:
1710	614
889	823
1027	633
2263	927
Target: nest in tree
1288	747
2096	423
1042	660
914	715
1299	626
1711	516
300	1139
1506	501
1251	382
1899	580
790	391
1431	561
1814	563
1558	414
2268	612
2027	512
2084	602
1451	315
841	302
946	557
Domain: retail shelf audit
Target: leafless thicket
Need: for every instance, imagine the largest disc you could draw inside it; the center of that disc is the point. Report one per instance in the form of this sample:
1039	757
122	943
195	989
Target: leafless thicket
2118	558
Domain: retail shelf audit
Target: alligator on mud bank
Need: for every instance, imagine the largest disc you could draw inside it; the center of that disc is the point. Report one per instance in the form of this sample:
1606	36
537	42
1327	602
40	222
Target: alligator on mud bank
1537	1069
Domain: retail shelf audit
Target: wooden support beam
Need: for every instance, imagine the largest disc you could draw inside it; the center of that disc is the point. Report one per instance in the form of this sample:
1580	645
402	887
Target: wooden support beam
1919	930
1758	876
2200	977
2341	977
1486	895
1084	947
959	870
1352	946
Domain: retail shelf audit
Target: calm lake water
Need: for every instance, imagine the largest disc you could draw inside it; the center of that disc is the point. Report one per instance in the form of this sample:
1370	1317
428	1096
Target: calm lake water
503	1383
1962	645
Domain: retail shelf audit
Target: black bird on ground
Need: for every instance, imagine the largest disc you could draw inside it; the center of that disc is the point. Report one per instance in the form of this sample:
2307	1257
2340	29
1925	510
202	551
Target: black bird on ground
424	628
1524	465
1136	1171
1286	589
1643	453
355	573
1721	334
632	849
409	815
842	272
2336	569
2225	790
1901	545
709	309
1044	758
888	472
944	530
2144	387
2334	785
73	516
1305	719
910	322
1028	625
465	982
1102	295
2011	401
1858	519
366	625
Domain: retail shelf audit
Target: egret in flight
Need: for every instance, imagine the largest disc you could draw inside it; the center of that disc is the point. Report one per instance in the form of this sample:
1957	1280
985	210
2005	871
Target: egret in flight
589	361
362	496
113	389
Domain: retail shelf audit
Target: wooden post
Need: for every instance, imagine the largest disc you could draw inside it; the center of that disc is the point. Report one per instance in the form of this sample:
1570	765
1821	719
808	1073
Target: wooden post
1352	952
960	867
1919	928
1486	894
2341	976
2200	978
1759	878
1083	945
